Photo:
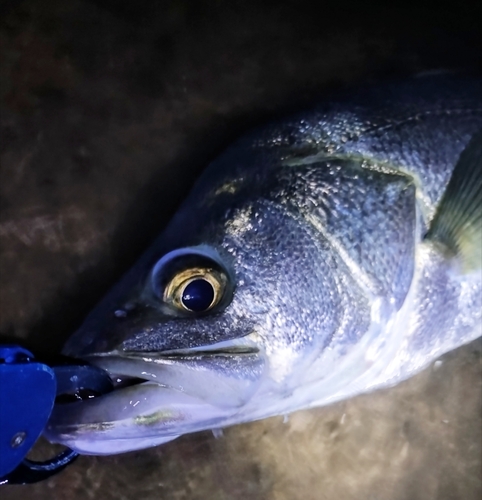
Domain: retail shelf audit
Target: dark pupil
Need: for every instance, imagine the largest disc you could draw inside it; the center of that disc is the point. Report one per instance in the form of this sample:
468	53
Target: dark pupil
198	295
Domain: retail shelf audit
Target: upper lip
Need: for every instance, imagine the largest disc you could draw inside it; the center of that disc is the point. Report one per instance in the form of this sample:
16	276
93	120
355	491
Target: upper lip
244	345
223	374
196	352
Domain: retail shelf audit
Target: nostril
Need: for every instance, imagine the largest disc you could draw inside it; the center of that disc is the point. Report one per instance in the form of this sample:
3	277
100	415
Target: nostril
125	310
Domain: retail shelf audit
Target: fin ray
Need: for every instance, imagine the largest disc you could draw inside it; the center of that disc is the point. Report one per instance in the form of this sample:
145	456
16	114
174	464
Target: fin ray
458	221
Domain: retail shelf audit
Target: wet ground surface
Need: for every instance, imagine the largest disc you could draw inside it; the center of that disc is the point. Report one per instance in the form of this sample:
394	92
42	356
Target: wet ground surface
109	111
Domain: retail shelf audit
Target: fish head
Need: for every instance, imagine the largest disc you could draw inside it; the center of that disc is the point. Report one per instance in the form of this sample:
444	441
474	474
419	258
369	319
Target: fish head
220	322
288	278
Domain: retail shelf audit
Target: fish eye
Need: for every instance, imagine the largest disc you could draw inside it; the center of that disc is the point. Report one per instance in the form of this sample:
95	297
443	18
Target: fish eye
191	280
196	290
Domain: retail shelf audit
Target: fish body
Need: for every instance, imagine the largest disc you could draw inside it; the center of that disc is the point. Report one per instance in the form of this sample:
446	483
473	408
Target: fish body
319	257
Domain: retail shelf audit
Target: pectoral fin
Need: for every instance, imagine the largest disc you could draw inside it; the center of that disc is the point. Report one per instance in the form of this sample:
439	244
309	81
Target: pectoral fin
458	221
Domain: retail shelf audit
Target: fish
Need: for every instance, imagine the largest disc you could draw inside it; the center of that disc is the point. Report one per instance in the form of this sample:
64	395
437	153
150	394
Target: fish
321	256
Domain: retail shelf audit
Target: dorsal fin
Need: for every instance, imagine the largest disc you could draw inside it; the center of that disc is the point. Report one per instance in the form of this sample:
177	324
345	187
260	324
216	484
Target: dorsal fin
458	221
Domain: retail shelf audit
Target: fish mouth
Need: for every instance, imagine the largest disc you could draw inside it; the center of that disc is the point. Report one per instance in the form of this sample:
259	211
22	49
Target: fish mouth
158	396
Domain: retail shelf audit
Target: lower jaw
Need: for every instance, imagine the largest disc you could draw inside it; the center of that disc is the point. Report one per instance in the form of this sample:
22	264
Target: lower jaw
130	418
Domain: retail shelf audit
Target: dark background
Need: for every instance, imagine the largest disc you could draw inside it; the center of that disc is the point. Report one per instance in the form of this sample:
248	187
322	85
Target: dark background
109	111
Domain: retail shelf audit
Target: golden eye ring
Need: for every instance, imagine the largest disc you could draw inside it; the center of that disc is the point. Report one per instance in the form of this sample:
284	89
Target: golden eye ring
197	289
